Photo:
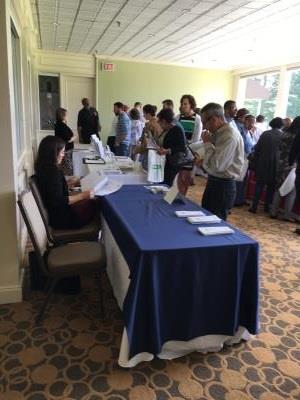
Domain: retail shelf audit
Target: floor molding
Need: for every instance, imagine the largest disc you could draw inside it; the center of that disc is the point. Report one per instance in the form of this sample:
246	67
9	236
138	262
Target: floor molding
10	294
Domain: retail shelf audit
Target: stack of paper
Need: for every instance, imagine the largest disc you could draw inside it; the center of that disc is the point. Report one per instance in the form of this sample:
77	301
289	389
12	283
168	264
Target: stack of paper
185	214
157	188
205	219
124	162
215	230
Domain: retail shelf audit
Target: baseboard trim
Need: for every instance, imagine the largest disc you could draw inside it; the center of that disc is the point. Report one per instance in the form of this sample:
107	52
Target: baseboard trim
10	294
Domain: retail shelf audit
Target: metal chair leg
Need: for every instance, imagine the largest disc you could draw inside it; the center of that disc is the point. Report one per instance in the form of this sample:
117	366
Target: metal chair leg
45	302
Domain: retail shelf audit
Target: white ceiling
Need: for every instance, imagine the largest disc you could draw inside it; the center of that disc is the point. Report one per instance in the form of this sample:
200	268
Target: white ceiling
227	34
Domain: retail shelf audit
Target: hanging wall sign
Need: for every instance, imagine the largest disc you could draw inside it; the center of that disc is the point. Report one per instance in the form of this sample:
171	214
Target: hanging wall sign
108	67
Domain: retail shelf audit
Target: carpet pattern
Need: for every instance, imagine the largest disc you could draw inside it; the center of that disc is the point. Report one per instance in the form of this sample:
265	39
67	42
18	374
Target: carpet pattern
73	353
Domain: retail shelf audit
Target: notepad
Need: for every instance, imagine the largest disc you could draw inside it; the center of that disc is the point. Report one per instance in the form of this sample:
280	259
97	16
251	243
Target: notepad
215	230
185	214
204	219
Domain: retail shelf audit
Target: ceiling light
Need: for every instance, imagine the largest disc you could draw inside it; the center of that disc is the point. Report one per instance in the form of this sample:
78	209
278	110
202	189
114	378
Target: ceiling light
55	23
185	10
151	34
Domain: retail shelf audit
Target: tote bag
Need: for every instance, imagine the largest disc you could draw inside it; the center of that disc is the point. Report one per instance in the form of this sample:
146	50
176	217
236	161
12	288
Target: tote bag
156	166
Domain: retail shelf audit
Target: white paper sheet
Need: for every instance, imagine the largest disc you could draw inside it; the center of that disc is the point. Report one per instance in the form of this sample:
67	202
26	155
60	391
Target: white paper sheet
205	219
93	181
185	214
215	230
109	188
173	192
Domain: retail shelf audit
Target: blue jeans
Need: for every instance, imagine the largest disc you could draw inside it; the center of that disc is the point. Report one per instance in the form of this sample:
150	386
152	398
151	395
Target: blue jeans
122	149
219	196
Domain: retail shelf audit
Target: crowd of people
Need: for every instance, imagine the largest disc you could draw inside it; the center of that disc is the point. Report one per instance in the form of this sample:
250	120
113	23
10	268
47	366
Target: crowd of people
233	144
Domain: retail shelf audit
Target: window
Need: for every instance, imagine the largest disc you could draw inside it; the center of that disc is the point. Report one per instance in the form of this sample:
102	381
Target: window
49	100
260	94
16	65
293	105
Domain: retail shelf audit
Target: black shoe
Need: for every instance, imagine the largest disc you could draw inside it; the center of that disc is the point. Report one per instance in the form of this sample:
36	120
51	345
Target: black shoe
297	231
252	210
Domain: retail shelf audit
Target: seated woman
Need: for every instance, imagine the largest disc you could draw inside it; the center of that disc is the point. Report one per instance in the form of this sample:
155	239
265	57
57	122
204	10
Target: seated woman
65	211
174	146
62	131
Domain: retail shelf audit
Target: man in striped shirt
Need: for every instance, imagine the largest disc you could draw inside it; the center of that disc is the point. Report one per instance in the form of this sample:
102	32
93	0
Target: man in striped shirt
123	131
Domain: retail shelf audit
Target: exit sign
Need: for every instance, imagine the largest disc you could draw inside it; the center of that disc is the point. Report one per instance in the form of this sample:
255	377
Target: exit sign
110	67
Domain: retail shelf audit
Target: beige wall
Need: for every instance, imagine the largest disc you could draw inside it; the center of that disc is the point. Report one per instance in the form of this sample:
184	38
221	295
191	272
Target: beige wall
152	83
14	167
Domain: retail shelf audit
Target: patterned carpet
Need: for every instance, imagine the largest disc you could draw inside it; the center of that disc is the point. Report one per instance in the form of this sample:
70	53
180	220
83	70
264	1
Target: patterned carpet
73	354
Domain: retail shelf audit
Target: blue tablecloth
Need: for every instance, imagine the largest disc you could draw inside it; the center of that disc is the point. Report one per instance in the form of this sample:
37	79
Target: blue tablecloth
182	285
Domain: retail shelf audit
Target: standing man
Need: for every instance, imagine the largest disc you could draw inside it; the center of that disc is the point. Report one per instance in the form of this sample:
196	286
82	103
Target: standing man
230	111
223	160
123	130
88	123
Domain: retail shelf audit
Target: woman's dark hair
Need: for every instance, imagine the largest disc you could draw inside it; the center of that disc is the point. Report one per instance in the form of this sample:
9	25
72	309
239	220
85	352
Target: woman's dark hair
60	113
276	123
49	149
134	114
191	100
295	126
166	114
149	109
119	104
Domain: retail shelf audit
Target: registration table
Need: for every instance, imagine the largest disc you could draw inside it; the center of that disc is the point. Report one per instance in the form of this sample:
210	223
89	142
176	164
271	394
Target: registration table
128	176
179	291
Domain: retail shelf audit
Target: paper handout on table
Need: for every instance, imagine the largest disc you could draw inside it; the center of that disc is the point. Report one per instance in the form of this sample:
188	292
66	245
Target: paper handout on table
205	219
93	181
109	188
99	183
157	188
215	230
185	214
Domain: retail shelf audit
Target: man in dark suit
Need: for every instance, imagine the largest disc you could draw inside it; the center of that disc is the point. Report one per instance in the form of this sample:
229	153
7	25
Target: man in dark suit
88	123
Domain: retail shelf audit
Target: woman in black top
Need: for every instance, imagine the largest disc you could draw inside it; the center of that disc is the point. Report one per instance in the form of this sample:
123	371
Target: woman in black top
62	131
174	144
54	189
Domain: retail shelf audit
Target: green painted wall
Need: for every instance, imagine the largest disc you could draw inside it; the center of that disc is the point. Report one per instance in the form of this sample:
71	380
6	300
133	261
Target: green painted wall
152	83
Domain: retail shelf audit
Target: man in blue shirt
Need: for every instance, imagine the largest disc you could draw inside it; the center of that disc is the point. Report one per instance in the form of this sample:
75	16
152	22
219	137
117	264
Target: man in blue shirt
123	131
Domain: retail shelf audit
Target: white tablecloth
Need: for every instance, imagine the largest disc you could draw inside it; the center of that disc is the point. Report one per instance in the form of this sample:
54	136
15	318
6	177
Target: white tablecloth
118	273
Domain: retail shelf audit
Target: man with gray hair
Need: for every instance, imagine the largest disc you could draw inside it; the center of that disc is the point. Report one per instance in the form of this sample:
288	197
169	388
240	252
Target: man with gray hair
223	160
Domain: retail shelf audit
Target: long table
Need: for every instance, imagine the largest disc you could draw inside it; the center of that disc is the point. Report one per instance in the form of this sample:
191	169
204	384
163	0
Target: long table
179	291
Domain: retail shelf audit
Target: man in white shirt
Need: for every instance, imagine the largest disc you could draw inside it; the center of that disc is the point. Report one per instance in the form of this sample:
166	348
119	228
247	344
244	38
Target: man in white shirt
223	160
